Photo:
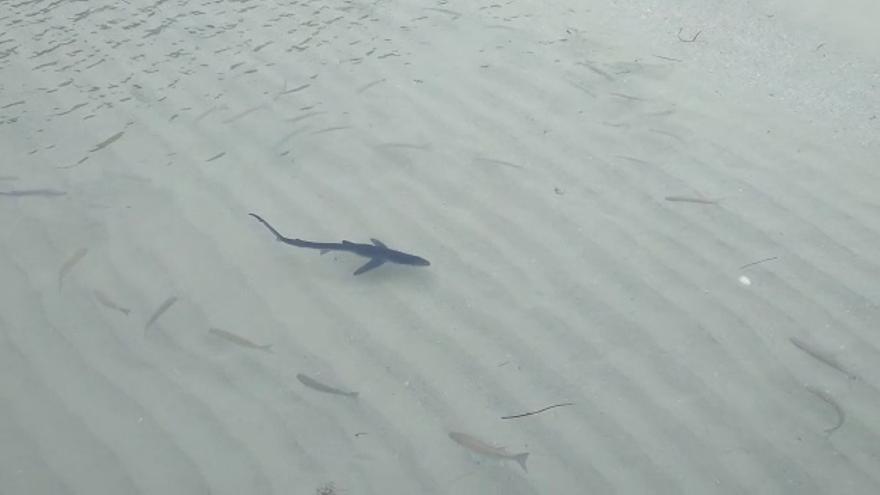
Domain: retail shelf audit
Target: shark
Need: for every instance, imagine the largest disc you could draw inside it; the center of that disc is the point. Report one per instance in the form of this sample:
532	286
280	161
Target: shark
377	252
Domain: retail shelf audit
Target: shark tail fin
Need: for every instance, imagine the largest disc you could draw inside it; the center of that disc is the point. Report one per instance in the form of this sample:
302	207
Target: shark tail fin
266	224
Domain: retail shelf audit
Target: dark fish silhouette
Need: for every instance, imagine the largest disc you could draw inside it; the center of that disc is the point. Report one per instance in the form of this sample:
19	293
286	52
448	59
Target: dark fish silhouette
238	340
377	252
159	311
315	384
483	448
20	193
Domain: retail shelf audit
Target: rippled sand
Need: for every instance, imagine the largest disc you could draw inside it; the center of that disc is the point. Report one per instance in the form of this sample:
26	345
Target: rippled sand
592	182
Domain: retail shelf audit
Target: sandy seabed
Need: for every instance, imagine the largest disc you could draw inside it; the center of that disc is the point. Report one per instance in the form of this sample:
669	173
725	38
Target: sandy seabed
664	212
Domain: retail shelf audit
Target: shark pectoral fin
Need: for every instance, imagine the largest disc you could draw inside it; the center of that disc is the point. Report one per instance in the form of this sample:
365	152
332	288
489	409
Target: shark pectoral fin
373	263
378	243
325	251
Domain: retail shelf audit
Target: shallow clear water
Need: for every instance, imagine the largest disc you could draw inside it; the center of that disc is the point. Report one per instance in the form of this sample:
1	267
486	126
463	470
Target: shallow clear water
659	216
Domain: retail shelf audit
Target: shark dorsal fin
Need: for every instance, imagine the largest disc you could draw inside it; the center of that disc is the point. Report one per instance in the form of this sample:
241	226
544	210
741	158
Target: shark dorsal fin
347	242
378	243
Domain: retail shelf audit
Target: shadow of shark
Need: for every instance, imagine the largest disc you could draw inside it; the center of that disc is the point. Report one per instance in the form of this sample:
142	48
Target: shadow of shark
377	252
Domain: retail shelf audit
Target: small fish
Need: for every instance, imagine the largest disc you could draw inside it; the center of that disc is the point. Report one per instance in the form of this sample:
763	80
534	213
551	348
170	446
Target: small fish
405	146
20	193
69	264
218	155
235	339
503	163
107	142
108	303
685	199
314	384
331	129
161	309
480	447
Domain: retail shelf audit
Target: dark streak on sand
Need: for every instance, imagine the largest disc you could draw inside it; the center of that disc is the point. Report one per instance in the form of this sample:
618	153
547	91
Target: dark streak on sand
539	411
503	163
824	359
71	109
759	262
160	311
331	129
369	85
405	146
68	265
293	90
841	417
685	199
19	193
243	114
302	117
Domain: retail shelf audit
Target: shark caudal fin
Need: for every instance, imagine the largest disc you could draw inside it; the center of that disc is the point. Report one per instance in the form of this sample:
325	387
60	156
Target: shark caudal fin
271	228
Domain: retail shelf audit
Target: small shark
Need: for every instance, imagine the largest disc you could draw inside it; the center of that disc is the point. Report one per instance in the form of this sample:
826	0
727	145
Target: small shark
378	252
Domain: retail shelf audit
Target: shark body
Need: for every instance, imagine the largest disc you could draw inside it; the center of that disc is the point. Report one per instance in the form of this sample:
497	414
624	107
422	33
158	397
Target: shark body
377	252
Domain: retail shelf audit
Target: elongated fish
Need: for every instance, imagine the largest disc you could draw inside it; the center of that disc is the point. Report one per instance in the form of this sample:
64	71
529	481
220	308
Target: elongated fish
161	309
243	342
315	384
108	303
69	264
107	142
480	447
686	199
20	193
